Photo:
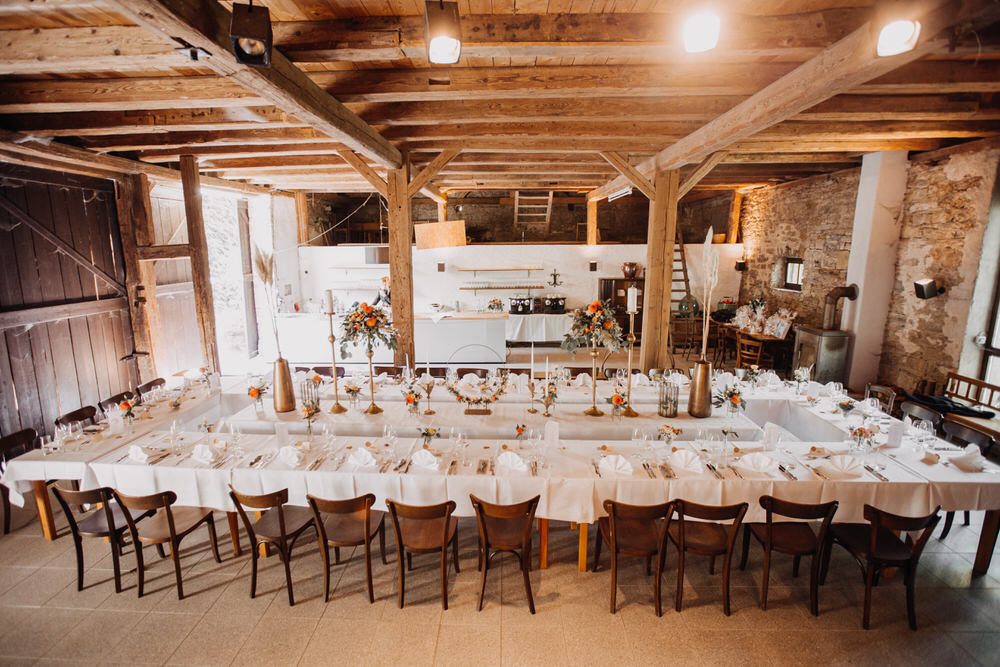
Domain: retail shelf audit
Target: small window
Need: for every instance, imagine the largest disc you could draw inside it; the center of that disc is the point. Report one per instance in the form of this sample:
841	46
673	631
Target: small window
793	273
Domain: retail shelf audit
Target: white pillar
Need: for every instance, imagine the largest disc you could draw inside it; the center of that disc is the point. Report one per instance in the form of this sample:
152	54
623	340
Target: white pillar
872	262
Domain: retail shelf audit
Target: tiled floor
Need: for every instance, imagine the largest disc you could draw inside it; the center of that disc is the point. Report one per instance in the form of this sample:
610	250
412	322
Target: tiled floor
45	620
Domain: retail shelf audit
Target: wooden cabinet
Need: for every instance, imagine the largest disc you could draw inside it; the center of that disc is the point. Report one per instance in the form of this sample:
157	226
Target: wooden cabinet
616	290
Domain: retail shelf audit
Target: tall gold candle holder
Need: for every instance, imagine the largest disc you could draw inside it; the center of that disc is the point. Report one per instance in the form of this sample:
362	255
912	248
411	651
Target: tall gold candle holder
531	390
372	409
593	410
628	411
337	408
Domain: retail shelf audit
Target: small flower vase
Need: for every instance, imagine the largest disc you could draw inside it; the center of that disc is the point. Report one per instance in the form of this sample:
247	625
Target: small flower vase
427	440
354	400
414	408
732	409
258	406
616	414
309	428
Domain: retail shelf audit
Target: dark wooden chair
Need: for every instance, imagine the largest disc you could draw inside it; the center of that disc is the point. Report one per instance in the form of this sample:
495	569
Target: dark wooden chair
795	538
422	529
11	446
278	524
749	352
167	525
147	387
480	373
327	371
108	521
391	371
348	523
85	414
107	403
634	530
505	528
438	372
886	396
917	411
706	538
876	546
962	435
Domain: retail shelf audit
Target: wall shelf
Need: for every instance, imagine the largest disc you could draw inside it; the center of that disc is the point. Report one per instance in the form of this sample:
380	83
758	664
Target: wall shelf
503	287
525	268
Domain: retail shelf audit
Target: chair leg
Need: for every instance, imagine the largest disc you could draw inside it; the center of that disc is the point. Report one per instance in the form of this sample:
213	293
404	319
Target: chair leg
254	555
402	576
409	561
336	555
324	552
649	563
795	565
115	552
78	544
5	497
746	547
484	562
444	577
765	579
214	538
869	580
814	582
658	585
711	564
139	566
176	557
368	571
597	548
614	578
381	542
911	604
727	563
286	557
825	568
680	580
949	518
525	567
159	550
965	522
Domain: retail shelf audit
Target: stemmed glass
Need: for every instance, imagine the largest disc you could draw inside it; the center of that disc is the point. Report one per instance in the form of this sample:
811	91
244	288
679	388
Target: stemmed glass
174	432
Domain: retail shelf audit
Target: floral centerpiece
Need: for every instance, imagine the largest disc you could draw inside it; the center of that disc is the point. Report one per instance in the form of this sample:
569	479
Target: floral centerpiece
593	326
309	411
411	396
353	391
801	376
485	394
427	433
519	431
256	390
752	375
617	400
862	435
846	406
367	326
495	306
126	406
731	398
668	433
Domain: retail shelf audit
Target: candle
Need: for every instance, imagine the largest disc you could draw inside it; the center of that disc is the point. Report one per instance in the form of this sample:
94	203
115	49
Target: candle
407	359
328	300
546	373
531	372
633	300
427	362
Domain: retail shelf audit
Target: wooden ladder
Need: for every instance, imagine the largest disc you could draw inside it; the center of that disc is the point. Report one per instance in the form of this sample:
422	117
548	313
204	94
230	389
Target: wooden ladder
680	285
531	209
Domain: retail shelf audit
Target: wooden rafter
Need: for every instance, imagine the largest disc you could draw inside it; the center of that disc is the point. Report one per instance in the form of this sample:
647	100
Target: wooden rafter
365	170
702	170
431	170
629	173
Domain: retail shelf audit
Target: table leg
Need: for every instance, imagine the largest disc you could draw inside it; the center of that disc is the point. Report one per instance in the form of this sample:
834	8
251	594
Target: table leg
44	509
234	532
262	548
987	542
543	544
581	557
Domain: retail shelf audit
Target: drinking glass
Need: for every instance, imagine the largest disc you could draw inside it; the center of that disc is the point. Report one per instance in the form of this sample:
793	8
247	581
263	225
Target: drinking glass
48	445
174	431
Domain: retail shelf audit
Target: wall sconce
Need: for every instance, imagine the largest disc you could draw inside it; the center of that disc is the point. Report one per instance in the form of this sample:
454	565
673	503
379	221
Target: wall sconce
741	265
440	267
927	288
442	32
250	32
593	267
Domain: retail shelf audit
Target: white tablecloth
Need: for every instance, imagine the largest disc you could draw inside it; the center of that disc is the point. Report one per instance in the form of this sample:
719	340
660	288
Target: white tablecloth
537	328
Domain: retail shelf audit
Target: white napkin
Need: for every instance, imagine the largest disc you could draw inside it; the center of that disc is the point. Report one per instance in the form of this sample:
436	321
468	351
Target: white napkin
685	459
971	460
727	379
382	377
290	455
678	379
138	454
424	459
203	454
471	378
771	433
521	380
641	380
895	434
552	433
758	463
512	461
842	466
814	389
829	388
362	458
615	464
215	381
582	380
298	377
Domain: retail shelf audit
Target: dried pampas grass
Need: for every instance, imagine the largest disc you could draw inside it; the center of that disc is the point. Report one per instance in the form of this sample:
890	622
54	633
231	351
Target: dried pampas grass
264	264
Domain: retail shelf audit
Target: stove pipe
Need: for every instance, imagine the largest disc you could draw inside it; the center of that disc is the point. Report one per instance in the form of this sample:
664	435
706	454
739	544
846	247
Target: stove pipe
832	297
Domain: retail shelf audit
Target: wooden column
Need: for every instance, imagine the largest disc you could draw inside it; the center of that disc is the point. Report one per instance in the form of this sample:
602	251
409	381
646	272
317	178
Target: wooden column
401	261
134	222
733	232
203	301
659	270
302	216
442	211
591	222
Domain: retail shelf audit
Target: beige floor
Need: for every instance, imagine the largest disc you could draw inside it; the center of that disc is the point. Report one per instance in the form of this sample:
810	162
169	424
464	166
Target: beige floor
45	620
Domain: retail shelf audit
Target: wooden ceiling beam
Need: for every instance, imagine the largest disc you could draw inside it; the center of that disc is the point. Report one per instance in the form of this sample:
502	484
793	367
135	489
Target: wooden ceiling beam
430	171
597	145
700	172
205	24
240	151
622	165
365	171
101	123
113	48
265	135
846	65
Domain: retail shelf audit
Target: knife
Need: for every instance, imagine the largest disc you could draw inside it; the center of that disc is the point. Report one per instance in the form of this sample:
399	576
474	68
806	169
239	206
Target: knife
481	467
385	466
317	463
818	473
879	476
714	470
222	462
493	466
451	467
534	468
649	470
788	475
667	472
736	472
256	460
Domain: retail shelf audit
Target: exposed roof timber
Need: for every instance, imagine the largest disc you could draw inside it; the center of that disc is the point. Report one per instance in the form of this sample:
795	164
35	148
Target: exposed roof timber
193	139
205	24
844	66
700	172
99	123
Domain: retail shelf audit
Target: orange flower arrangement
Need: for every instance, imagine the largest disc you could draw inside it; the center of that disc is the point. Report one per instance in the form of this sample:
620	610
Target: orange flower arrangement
593	325
617	399
731	396
365	326
253	392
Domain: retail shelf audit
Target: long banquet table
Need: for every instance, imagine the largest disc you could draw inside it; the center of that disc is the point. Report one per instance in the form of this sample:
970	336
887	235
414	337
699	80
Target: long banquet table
570	487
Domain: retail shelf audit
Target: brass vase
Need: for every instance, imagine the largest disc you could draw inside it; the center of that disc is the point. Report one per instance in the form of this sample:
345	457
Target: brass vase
284	392
700	398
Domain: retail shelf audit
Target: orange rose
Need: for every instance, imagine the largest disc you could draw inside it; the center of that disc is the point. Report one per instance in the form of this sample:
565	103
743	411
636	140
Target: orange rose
593	307
317	379
607	325
254	392
125	405
735	400
520	430
370	322
409	400
366	309
617	400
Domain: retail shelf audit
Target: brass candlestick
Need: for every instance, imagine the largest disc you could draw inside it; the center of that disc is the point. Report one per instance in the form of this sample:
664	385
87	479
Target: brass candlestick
429	387
372	409
531	390
337	408
628	411
547	401
593	411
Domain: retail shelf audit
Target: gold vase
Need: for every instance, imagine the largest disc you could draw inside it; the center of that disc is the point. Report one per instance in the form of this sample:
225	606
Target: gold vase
700	398
284	392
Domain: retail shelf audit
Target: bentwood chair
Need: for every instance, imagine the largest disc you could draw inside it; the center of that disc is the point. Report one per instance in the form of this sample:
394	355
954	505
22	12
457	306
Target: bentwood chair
962	435
748	352
634	530
347	523
480	373
279	525
876	546
13	445
505	528
886	396
795	538
147	387
422	529
85	414
916	411
167	525
706	538
111	401
107	522
327	371
391	371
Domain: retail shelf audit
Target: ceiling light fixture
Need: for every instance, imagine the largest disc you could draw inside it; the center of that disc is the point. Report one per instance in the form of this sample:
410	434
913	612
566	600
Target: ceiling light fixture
701	32
442	32
250	32
624	192
897	37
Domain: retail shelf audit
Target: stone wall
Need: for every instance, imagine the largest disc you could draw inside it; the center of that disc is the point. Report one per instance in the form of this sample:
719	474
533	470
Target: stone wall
944	217
810	219
696	217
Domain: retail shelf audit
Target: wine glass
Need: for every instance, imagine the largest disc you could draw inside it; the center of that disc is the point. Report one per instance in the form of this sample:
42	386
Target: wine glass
174	431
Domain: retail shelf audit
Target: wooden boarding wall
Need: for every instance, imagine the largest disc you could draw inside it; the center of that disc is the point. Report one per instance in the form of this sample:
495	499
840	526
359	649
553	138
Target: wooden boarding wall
63	330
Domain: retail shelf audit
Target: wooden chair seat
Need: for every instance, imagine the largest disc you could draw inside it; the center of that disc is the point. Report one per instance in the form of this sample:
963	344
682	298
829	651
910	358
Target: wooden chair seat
702	537
855	538
349	529
421	536
95	524
156	529
296	520
795	538
635	537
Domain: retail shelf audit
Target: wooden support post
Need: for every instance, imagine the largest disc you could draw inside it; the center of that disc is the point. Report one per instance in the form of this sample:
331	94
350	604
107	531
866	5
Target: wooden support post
302	215
543	544
442	212
591	222
581	556
234	532
401	262
203	301
735	207
659	270
135	224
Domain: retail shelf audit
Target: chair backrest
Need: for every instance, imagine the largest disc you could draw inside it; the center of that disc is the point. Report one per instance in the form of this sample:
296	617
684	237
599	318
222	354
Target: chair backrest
153	502
618	512
885	395
68	498
266	501
494	519
17	443
966	435
973	390
438	371
391	371
917	411
787	508
748	351
86	413
327	371
440	512
923	524
574	371
481	373
686	508
107	403
147	387
361	505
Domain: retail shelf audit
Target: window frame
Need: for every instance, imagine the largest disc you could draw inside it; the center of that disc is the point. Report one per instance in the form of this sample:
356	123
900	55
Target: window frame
790	262
989	350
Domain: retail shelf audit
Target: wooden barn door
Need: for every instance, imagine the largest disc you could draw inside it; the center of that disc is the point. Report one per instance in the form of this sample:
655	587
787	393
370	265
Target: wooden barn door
64	319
